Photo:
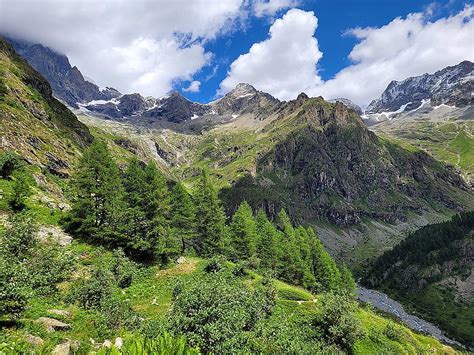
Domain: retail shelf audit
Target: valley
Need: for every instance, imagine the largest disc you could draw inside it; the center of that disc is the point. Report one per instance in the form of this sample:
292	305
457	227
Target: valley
140	224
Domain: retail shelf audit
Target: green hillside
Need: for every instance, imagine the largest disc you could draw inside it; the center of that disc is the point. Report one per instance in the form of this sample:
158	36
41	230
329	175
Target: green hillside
431	272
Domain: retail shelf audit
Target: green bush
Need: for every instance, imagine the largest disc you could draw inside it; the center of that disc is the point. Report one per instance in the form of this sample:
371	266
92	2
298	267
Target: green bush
15	289
216	313
9	162
91	293
337	323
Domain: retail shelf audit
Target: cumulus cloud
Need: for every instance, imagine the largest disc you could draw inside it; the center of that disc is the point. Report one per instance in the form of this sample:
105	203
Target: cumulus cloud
194	86
271	7
285	63
405	47
133	45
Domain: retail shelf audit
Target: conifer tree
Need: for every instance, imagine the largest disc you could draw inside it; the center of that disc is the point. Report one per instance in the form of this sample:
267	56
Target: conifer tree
267	241
158	210
211	228
183	216
303	241
291	266
98	204
347	281
243	231
323	265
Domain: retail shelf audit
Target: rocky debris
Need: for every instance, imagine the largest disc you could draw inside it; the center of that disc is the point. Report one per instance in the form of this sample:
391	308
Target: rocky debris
64	206
57	166
52	324
450	86
55	233
384	303
34	340
181	260
118	342
62	349
60	312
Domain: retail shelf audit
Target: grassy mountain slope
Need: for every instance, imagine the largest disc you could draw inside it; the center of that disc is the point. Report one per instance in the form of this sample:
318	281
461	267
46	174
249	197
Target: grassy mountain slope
33	123
432	272
451	141
317	160
150	294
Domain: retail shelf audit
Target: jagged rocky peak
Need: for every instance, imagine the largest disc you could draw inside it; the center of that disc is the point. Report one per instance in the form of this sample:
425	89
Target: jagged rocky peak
348	103
452	86
243	99
67	82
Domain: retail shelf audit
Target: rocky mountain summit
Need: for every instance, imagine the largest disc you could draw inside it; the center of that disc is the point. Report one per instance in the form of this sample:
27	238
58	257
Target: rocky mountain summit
349	104
67	82
452	86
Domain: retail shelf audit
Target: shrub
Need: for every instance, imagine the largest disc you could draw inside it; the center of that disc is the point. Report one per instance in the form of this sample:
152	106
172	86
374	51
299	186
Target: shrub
215	313
91	293
9	162
393	332
215	264
15	290
337	322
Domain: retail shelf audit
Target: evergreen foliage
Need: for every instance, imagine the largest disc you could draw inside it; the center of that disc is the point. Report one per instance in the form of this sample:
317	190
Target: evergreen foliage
211	229
98	202
183	217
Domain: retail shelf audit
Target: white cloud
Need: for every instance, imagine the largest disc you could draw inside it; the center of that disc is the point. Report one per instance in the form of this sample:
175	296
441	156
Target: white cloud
285	63
194	86
405	47
271	7
133	45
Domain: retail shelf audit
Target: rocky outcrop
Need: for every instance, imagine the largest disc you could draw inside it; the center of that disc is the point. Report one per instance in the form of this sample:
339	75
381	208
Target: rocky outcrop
333	168
451	86
52	324
245	99
67	82
349	104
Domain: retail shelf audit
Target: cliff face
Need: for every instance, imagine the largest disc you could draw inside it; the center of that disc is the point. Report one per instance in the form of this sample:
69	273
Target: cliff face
333	168
34	123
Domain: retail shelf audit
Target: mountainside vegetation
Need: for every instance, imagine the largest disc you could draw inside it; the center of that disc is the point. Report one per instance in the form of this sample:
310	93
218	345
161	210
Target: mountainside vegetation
34	123
118	278
432	272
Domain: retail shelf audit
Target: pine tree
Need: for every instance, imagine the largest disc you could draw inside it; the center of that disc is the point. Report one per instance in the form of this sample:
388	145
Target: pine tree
347	282
183	216
243	231
291	267
137	225
211	228
324	267
267	239
303	241
98	204
158	210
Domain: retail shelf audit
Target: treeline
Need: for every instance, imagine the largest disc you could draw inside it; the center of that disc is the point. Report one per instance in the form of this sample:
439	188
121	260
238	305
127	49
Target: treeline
138	211
426	246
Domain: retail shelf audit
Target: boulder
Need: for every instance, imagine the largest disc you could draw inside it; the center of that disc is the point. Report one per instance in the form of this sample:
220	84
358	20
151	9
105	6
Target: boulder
55	233
34	340
52	324
62	349
118	342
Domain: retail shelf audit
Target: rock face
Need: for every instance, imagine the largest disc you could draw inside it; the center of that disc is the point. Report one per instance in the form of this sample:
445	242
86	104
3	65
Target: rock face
451	86
333	168
34	123
67	82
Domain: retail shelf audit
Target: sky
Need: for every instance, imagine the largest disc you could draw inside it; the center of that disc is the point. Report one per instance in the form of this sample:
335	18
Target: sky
203	48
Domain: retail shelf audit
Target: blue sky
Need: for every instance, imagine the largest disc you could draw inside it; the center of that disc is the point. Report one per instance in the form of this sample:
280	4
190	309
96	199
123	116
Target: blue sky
203	48
335	18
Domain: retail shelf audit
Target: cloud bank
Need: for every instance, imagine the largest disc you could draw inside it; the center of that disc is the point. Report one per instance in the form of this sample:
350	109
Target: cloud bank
139	45
404	47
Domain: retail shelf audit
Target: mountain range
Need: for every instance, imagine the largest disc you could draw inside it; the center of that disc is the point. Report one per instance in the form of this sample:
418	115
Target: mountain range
315	158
